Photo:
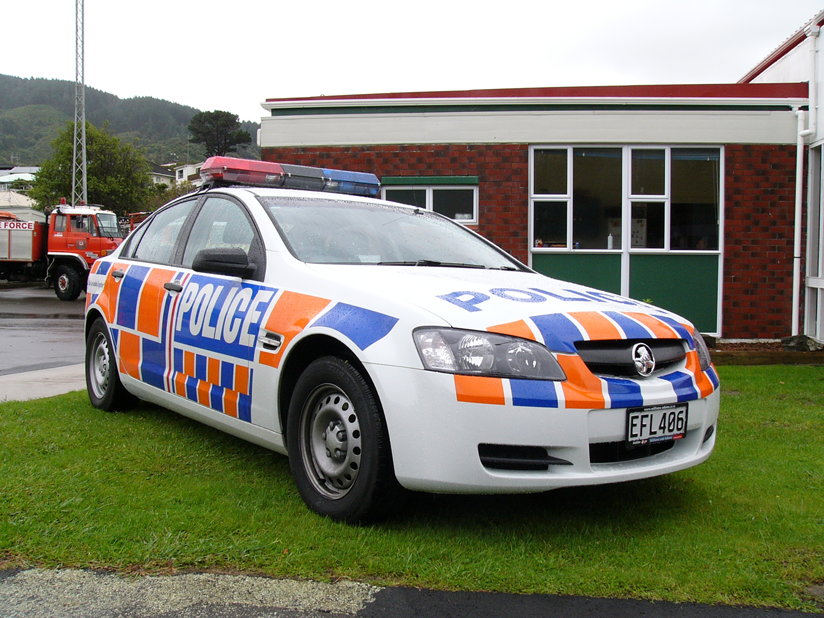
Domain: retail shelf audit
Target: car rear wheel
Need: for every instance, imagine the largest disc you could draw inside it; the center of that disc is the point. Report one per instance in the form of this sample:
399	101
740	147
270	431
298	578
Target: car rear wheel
338	444
102	380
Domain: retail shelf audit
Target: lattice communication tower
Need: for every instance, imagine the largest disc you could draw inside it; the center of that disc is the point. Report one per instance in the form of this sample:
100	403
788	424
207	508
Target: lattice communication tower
79	188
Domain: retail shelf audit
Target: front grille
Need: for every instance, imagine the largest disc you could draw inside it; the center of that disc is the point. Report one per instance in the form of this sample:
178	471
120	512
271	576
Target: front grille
515	457
614	452
614	357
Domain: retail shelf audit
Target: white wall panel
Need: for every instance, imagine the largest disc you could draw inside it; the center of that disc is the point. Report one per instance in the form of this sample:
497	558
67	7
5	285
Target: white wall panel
681	127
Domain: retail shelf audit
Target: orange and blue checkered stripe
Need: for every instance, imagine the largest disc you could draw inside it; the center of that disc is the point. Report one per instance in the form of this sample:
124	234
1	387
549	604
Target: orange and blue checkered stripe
207	370
98	268
136	313
219	384
293	312
582	389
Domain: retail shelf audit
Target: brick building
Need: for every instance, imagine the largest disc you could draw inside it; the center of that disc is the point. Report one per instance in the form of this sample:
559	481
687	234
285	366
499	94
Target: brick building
692	197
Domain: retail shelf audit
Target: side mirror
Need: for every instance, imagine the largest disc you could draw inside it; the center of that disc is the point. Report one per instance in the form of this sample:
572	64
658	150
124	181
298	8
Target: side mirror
232	261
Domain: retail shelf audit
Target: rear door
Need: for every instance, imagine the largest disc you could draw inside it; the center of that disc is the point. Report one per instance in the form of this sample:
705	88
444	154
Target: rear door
140	297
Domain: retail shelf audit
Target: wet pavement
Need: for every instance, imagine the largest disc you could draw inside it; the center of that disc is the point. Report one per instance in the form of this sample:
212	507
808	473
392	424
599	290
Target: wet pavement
39	331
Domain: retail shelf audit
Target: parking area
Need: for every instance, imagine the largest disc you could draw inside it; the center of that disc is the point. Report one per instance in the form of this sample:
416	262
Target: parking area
38	331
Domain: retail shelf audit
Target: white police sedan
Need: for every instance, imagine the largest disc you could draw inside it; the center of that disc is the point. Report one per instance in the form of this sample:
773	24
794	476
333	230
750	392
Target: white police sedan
382	346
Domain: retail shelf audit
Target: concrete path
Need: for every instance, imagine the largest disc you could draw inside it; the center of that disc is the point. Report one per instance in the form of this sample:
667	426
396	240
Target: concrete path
41	383
89	594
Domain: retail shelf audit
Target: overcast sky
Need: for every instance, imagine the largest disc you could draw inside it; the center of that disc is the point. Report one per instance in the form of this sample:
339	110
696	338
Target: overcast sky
234	54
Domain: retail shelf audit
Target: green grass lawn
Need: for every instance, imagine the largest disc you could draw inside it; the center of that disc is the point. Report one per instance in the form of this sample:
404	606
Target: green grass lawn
152	491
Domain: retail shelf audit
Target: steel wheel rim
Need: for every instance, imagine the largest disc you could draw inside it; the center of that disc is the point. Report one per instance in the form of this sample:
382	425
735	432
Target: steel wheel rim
63	282
100	366
330	441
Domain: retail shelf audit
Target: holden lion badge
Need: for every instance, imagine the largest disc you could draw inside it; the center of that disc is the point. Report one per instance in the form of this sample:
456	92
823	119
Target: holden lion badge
643	359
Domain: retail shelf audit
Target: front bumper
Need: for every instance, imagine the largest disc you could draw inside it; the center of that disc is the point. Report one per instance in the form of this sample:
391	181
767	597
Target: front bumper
435	439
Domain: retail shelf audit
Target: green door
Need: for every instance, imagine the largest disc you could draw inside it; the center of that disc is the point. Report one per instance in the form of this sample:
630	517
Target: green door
684	284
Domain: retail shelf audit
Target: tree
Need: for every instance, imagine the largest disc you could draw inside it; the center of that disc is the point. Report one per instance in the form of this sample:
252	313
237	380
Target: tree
164	194
219	132
117	175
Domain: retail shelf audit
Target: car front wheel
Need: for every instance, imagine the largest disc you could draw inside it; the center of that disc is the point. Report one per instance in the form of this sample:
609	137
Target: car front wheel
339	450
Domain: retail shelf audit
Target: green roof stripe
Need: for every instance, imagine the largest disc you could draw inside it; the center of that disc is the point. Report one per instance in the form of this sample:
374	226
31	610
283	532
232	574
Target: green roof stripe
428	180
436	109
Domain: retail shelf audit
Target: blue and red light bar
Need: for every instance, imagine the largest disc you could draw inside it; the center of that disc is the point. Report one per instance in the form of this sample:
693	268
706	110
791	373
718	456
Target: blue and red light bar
230	170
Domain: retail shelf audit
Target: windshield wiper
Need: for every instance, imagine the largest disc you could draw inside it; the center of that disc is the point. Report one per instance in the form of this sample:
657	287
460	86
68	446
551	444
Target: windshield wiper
431	263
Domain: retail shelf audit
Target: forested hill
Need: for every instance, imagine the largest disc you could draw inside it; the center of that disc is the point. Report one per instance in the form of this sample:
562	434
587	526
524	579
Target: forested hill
33	111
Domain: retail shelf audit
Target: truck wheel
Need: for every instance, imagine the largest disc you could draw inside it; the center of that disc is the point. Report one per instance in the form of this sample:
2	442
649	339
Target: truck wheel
67	283
103	385
339	450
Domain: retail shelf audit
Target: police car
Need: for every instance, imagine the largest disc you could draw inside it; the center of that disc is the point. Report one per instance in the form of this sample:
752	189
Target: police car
382	346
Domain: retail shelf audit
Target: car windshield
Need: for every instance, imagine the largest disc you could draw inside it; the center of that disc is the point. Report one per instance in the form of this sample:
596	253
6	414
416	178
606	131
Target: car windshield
107	223
347	232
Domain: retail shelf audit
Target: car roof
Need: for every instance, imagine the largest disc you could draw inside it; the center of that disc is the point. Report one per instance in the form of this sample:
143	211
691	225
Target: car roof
240	190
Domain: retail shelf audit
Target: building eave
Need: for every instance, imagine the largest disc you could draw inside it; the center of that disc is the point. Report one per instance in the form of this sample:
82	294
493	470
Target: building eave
679	95
782	50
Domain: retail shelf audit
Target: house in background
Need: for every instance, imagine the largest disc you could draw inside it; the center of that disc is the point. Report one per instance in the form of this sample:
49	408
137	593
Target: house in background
17	175
13	200
188	172
162	174
691	197
17	203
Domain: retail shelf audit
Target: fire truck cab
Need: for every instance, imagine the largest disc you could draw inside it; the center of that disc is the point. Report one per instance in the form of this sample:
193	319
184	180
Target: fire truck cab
59	251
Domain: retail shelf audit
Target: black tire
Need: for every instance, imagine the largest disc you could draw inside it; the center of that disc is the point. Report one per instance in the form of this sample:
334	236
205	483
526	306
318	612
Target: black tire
68	283
103	385
338	445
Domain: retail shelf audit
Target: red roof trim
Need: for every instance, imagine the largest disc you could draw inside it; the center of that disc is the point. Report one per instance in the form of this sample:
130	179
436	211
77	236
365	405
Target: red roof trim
697	91
785	48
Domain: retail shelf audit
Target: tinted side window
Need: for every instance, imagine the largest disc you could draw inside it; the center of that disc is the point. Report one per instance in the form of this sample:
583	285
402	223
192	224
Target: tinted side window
220	224
158	241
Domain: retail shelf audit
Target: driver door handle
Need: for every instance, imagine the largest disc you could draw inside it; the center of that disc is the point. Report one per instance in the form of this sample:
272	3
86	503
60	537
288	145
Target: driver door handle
173	286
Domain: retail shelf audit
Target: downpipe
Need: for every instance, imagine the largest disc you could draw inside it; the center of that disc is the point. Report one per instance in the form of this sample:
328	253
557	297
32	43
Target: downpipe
799	185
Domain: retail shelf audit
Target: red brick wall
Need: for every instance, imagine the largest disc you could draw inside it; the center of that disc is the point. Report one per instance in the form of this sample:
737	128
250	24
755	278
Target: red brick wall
758	252
502	170
759	208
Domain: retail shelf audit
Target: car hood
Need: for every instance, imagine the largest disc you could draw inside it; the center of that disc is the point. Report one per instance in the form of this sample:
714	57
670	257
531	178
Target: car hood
493	299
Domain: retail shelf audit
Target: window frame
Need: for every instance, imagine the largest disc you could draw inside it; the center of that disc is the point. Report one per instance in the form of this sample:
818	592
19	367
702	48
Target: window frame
257	251
133	242
627	200
430	184
60	222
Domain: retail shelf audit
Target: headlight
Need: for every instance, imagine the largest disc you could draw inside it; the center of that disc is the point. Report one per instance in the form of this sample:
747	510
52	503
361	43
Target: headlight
703	351
472	352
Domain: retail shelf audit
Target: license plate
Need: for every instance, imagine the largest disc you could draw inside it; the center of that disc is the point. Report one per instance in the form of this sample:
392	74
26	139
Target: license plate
656	424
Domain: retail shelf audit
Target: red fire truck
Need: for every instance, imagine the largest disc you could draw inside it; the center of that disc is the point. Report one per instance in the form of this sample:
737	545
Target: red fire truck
59	251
